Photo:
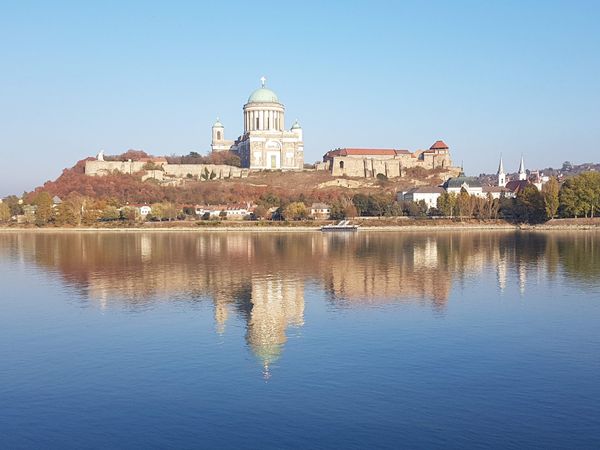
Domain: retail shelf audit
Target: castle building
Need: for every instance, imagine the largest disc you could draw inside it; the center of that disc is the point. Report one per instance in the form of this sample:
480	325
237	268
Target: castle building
370	162
265	144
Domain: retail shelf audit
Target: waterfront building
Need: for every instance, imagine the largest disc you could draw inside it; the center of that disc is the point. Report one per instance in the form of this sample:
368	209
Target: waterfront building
320	210
427	194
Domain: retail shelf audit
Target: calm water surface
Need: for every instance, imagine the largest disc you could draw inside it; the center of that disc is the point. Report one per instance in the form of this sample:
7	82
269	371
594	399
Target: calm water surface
372	340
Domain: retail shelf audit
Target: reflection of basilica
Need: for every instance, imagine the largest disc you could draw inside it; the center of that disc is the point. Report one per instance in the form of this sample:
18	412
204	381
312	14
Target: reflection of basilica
270	306
276	304
260	278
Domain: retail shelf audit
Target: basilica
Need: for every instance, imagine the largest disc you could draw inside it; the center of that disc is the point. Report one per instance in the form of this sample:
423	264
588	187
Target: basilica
265	144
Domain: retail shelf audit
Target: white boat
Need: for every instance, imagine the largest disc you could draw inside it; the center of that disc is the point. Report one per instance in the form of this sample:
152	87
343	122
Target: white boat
343	225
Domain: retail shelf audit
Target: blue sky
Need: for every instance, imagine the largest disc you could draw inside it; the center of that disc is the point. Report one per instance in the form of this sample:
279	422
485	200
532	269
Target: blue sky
505	77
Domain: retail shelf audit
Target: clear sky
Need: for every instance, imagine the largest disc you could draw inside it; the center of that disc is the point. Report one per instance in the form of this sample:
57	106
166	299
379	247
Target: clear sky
506	77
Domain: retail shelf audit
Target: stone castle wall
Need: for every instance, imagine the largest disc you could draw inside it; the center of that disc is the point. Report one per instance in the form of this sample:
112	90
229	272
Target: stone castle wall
367	167
94	168
169	171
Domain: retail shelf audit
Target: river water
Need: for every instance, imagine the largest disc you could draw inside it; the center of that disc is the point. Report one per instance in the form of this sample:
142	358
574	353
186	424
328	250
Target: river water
300	340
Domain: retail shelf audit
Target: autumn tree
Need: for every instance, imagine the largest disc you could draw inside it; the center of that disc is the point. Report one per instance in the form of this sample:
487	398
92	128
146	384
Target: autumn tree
588	190
110	213
13	203
338	212
260	212
492	207
464	204
4	213
361	203
44	213
269	200
580	195
446	204
350	210
529	206
68	213
130	214
295	211
550	192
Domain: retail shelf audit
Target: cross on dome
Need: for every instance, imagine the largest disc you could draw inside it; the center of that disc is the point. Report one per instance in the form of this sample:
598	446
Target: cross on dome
262	81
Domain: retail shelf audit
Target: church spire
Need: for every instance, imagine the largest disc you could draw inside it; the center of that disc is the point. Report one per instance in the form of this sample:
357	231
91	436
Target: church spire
501	174
522	172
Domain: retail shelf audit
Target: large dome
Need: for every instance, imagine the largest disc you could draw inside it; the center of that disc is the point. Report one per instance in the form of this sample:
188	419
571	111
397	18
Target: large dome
263	95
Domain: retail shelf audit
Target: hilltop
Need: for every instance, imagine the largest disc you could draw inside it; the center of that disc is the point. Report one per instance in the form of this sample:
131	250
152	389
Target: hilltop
308	186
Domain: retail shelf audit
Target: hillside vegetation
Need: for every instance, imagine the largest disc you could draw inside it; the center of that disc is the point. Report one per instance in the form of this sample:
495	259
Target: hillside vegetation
307	186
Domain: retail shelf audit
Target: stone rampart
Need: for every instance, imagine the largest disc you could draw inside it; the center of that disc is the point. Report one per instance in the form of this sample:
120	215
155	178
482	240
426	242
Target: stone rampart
367	167
94	168
168	171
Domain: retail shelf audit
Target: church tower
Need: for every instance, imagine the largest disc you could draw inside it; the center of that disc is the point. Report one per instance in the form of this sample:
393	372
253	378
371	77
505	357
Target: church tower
297	129
219	144
522	172
501	174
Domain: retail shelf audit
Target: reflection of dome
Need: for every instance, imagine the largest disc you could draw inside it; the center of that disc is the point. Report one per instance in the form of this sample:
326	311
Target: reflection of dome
263	95
268	353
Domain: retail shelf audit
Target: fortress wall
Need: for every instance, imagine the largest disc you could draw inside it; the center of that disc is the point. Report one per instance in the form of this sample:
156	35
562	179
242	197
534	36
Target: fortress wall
196	170
370	168
352	166
100	168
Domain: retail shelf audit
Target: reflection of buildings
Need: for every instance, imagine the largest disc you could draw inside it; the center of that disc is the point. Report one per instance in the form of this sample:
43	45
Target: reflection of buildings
259	278
276	304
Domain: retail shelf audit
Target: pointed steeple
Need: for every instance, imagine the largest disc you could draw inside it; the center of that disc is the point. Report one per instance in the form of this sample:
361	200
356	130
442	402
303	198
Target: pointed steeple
522	172
501	174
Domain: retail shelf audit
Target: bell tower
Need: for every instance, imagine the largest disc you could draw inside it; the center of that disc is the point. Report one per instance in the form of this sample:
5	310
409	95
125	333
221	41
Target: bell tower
522	172
501	174
218	136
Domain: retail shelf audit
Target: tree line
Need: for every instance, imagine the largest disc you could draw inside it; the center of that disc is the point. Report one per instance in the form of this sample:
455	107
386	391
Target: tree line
578	196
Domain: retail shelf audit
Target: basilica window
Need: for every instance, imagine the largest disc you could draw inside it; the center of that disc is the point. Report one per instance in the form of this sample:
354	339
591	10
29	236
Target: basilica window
218	135
257	123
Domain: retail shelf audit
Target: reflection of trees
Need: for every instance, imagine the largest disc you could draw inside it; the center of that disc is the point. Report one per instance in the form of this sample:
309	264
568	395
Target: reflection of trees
579	255
260	277
366	267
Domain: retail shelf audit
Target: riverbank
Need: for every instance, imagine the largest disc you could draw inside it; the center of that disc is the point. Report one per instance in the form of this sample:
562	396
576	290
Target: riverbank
371	224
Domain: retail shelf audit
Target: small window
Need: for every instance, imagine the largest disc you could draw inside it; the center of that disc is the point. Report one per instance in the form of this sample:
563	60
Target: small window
341	164
257	123
218	135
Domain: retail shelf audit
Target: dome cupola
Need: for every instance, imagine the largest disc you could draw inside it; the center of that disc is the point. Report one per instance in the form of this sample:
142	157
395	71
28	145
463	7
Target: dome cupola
263	94
263	112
